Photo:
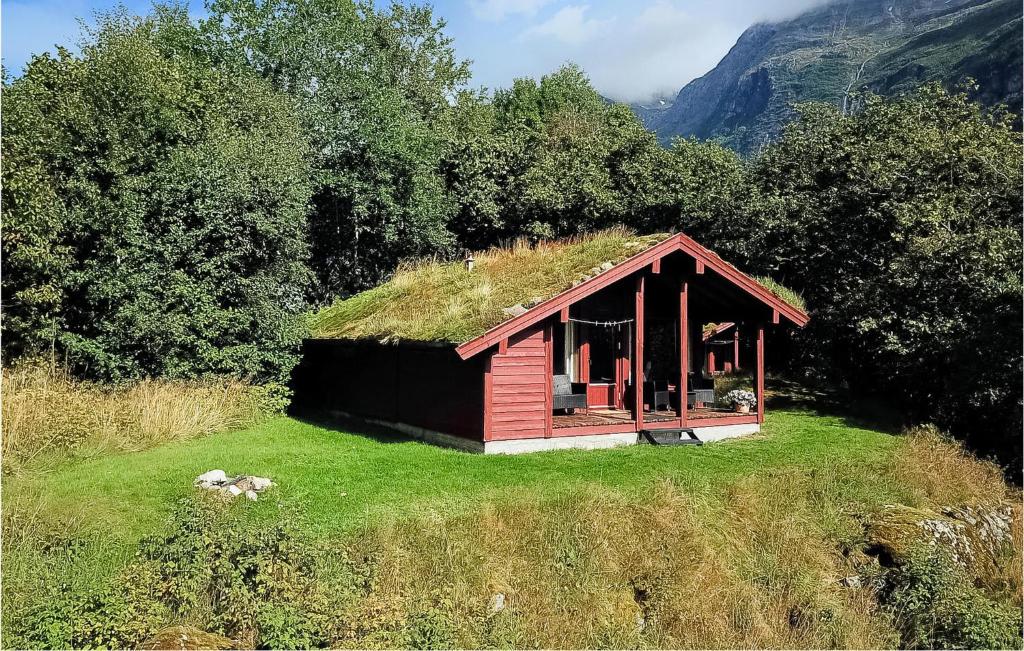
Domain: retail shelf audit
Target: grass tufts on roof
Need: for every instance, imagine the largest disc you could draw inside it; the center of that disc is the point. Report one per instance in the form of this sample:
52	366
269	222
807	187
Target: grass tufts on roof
441	301
788	295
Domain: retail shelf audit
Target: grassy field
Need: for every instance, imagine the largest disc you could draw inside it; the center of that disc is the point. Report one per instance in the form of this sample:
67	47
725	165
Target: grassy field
337	480
551	530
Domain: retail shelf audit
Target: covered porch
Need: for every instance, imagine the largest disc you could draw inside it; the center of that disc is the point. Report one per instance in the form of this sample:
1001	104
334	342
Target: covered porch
627	352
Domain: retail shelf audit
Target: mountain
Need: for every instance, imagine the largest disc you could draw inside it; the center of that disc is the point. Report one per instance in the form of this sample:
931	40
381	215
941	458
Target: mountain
829	52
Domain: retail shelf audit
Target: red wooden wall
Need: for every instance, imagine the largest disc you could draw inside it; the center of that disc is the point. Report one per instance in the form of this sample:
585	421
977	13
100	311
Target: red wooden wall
519	386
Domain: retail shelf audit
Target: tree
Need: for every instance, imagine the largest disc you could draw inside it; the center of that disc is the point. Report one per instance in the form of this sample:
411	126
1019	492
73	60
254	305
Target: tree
372	90
154	209
901	226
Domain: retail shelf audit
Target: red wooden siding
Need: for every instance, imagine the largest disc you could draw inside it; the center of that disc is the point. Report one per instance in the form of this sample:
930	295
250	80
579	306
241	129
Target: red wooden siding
520	383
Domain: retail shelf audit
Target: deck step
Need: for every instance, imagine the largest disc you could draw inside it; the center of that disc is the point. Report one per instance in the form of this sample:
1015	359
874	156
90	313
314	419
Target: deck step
679	436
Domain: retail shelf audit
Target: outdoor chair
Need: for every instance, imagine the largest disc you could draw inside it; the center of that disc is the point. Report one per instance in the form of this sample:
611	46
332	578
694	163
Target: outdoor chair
656	394
569	395
701	390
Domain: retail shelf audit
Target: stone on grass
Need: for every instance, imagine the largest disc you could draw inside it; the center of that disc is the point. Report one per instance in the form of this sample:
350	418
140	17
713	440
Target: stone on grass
187	637
975	536
497	603
248	485
261	483
212	477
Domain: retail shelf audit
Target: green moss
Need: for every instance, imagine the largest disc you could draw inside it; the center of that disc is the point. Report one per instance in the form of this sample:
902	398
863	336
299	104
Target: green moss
785	293
443	301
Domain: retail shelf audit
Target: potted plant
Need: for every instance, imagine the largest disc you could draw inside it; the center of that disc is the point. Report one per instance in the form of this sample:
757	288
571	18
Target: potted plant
742	401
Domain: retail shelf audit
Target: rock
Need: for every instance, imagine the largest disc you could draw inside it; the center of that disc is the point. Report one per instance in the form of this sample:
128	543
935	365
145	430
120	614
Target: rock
260	483
974	536
187	637
497	603
235	491
641	623
851	581
244	484
515	310
606	266
212	477
251	495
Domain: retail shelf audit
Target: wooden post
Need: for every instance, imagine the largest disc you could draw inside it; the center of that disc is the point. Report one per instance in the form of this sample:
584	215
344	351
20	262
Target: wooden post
638	355
584	370
684	351
711	362
736	348
549	371
488	397
760	374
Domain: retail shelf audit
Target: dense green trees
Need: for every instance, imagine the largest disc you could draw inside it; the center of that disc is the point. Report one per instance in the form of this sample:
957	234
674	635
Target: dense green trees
371	90
901	226
154	210
157	187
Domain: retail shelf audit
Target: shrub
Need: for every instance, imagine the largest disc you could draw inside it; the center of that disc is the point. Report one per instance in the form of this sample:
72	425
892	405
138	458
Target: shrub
936	606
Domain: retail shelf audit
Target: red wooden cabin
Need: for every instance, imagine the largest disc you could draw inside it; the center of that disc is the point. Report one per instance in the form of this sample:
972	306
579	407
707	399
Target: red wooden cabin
641	317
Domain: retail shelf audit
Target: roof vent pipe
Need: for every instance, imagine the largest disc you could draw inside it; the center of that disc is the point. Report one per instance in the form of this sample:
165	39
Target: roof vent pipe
469	262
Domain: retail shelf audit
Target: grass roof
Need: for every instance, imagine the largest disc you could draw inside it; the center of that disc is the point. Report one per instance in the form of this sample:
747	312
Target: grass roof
442	301
781	291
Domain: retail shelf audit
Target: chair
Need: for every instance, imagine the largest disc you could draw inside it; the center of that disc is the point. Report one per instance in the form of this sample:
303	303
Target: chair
656	394
701	390
569	395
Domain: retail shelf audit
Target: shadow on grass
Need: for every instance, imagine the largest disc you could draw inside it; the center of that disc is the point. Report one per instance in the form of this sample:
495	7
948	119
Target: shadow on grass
861	412
350	425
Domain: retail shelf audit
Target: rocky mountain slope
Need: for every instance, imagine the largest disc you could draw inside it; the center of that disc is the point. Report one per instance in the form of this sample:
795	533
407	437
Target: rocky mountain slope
827	53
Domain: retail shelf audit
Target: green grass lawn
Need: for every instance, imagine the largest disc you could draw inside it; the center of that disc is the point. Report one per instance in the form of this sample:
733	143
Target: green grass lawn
335	481
770	510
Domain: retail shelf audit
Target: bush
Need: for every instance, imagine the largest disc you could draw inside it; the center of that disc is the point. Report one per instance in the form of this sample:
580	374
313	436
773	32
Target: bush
260	588
936	606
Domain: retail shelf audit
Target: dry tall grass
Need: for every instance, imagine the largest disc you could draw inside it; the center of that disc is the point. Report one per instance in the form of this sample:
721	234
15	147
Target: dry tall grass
597	570
46	413
758	565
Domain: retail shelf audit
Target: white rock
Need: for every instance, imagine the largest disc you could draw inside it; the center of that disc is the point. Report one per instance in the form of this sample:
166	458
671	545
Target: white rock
251	495
498	603
212	477
234	490
260	483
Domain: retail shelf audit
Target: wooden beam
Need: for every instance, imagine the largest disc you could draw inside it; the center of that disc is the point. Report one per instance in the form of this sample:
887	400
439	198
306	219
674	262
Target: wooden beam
638	355
656	266
503	346
549	372
700	266
564	314
760	374
775	316
684	350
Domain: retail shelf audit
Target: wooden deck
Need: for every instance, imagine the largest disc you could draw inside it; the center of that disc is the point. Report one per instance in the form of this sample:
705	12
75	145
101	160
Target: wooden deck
598	417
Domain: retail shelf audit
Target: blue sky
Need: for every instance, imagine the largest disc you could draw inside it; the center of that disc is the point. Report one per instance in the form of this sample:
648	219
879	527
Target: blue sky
632	51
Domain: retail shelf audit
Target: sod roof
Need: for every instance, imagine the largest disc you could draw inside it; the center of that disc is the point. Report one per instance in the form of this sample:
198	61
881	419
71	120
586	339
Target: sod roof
443	301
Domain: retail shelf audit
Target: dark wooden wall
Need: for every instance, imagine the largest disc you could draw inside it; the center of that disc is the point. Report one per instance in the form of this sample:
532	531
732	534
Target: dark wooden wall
421	384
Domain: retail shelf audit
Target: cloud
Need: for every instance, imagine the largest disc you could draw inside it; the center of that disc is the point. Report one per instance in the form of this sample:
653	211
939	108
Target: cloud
569	25
498	10
634	52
